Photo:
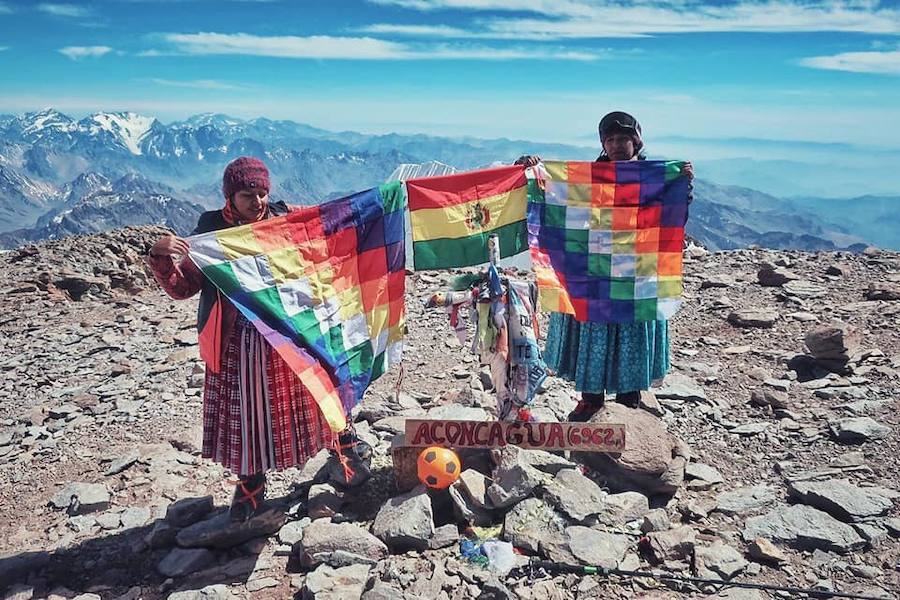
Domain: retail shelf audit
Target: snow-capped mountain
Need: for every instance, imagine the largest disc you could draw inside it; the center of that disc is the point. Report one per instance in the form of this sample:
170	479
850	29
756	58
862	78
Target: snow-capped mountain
59	176
23	199
126	129
131	200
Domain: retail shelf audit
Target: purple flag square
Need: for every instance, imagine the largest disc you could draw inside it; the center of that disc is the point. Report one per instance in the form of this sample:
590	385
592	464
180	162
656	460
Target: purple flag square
673	215
396	256
653	172
599	310
622	311
370	235
336	215
628	171
651	193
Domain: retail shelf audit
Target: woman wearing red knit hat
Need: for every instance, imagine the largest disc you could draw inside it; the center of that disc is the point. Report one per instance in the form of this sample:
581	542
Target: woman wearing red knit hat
257	416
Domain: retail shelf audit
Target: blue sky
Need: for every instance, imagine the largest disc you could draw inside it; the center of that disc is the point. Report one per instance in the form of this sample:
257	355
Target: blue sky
821	72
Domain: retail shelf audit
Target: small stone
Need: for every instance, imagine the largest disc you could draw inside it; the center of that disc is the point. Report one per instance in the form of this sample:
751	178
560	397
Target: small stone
764	550
188	511
444	536
857	430
181	561
745	499
673	544
753	318
327	583
749	429
292	532
594	547
656	520
769	397
254	585
80	498
121	463
324	501
718	561
135	516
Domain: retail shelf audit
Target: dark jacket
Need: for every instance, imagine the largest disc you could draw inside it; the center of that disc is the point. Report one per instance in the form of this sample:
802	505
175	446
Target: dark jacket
215	314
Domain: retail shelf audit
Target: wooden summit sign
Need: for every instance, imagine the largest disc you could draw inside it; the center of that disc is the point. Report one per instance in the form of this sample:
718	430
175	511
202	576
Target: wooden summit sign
588	437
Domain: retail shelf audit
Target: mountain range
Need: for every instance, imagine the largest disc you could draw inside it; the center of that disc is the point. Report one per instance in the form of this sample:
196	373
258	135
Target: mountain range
60	176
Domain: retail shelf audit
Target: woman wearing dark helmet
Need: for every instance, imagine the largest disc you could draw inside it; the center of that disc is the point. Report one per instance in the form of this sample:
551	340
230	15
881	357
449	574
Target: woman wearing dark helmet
608	357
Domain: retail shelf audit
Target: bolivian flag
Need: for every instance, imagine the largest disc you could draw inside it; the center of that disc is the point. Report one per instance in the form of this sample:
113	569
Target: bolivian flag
453	215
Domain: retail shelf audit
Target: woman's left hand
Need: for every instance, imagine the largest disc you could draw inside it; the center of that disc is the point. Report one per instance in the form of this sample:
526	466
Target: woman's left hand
688	169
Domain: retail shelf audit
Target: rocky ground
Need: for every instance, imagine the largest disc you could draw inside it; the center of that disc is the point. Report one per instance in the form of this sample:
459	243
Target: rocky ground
768	455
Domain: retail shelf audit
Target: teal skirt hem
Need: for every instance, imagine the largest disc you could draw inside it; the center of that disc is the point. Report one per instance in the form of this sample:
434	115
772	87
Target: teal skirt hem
607	357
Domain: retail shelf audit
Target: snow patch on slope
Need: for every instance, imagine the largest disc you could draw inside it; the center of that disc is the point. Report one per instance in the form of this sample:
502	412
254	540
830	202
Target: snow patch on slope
128	127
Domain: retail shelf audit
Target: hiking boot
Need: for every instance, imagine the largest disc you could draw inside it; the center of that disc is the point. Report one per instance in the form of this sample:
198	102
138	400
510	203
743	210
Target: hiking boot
249	497
586	408
351	463
629	399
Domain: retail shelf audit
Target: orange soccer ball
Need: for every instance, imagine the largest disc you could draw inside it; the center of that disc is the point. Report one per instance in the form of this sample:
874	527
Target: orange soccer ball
438	467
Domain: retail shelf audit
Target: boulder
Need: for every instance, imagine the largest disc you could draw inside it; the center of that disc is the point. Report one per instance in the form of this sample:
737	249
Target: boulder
771	276
188	511
575	495
220	532
804	527
654	460
883	290
322	540
842	499
833	346
530	522
513	484
406	522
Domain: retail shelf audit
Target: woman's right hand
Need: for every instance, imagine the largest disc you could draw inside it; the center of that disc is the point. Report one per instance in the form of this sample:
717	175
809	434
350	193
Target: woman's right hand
528	160
170	245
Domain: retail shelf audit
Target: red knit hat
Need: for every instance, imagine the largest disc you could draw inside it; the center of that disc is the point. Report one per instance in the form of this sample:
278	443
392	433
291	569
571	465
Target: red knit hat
244	173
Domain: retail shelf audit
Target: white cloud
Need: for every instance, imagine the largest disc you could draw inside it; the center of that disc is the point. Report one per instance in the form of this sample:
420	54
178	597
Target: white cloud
605	18
354	48
79	52
547	7
858	62
64	10
198	84
432	31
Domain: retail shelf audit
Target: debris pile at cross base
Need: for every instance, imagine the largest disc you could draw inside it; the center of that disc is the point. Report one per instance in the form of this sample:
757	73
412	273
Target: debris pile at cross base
768	454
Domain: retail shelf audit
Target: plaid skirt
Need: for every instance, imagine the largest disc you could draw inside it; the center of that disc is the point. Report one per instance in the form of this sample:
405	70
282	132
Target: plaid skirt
256	414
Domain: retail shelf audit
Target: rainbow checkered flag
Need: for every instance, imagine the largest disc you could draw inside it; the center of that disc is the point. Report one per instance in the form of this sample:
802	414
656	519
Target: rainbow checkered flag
324	285
606	238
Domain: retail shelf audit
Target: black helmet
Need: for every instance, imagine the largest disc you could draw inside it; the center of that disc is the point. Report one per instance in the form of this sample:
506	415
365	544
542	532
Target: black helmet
618	121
